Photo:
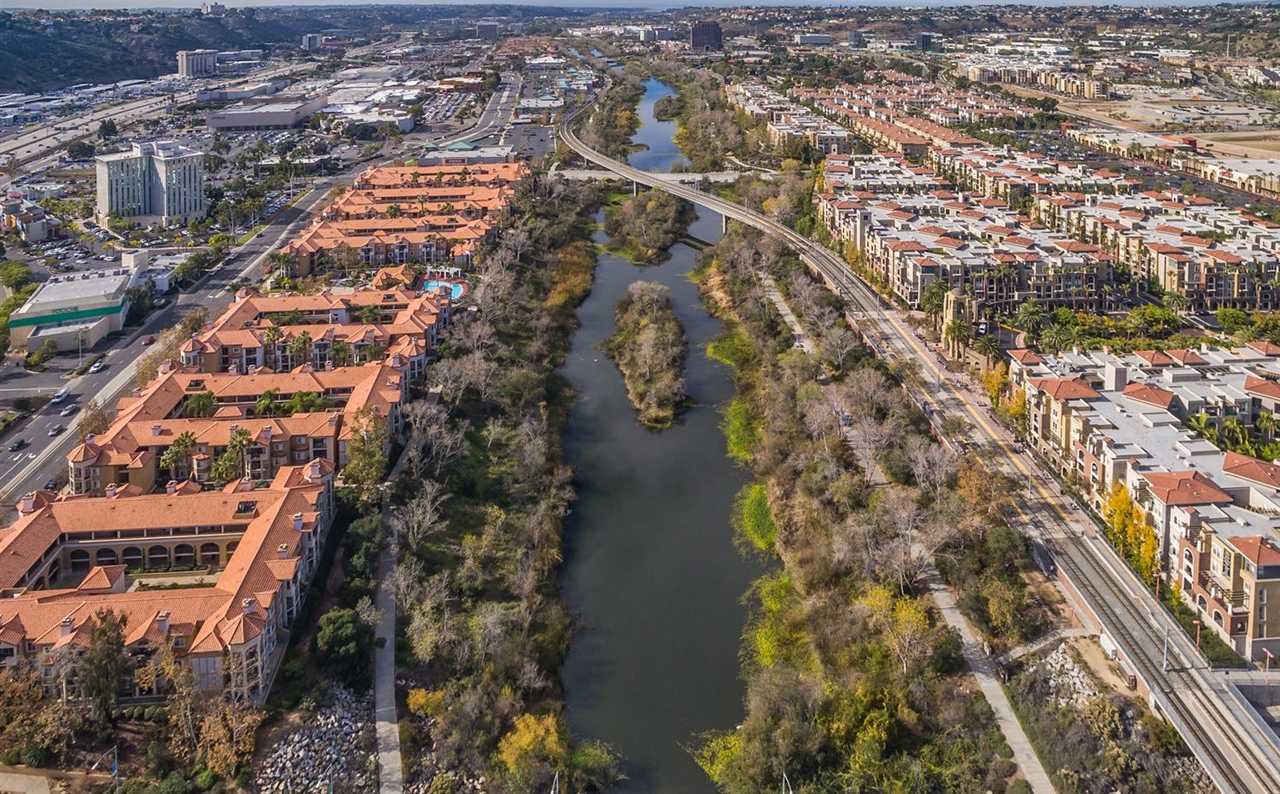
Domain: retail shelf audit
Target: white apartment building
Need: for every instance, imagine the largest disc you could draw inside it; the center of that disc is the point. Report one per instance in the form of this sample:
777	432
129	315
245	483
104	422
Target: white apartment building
161	181
197	63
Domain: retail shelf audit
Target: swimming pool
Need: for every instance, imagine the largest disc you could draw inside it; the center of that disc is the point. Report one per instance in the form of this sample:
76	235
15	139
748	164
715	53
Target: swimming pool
455	288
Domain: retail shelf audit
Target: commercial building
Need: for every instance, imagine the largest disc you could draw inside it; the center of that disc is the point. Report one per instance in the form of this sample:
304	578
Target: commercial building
311	42
67	559
74	311
394	215
161	181
272	114
197	63
487	31
705	35
813	39
31	221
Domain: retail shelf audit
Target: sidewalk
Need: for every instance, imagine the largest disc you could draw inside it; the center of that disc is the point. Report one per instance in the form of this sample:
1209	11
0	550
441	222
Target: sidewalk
386	718
980	665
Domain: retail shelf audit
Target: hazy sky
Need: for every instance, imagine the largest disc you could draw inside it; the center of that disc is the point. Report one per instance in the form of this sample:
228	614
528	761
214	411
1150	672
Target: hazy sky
655	4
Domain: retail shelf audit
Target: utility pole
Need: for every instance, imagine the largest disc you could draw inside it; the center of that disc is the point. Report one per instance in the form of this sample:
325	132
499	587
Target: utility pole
1164	663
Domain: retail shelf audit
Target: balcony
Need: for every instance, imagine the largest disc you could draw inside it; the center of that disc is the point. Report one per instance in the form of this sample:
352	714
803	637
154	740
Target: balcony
1236	599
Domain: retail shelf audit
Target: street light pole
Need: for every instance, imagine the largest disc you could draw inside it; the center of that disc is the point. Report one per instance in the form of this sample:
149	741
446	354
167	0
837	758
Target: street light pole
1197	633
1164	663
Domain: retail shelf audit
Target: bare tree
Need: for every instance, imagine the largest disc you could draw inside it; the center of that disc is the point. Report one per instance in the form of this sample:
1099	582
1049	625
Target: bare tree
421	517
932	465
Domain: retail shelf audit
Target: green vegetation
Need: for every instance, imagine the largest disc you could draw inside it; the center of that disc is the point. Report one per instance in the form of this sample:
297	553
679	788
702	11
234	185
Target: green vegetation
851	683
613	121
648	346
753	518
480	512
1146	327
646	225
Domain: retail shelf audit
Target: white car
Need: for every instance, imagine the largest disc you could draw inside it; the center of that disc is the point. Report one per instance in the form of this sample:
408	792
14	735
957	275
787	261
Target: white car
97	367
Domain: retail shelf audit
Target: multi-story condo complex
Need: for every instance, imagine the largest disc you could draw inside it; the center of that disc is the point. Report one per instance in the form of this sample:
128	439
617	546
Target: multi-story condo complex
154	182
64	560
326	330
979	247
394	215
203	412
197	63
1213	256
1017	176
1108	421
789	123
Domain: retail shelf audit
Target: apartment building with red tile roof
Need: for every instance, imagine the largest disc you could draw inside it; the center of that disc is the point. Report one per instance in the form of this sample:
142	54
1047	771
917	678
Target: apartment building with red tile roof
396	214
324	330
129	452
64	560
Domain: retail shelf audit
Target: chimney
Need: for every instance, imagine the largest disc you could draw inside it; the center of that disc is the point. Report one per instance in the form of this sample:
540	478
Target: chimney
1114	377
171	487
66	626
313	470
162	621
248	605
88	440
156	430
111	490
27	504
233	368
297	521
283	550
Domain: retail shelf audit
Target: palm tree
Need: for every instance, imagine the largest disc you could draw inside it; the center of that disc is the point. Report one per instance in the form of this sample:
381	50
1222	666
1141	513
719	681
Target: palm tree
234	462
989	346
305	402
1266	424
958	333
271	337
283	262
1234	434
298	347
932	300
1201	426
199	405
177	454
340	354
1030	317
266	403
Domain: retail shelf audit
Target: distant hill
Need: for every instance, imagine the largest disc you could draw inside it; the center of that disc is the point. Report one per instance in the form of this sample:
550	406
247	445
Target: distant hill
41	50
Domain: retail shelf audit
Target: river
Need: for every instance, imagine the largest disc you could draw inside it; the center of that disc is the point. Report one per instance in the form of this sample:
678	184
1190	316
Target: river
651	571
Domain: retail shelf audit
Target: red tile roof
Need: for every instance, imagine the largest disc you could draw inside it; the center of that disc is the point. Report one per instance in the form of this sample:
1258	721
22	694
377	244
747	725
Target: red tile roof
1185	488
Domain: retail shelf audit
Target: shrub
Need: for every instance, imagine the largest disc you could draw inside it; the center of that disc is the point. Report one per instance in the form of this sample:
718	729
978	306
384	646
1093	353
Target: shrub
753	517
35	755
204	779
426	703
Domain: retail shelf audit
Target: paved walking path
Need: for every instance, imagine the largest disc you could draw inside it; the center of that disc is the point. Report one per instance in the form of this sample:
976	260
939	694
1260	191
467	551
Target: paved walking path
387	721
980	665
28	783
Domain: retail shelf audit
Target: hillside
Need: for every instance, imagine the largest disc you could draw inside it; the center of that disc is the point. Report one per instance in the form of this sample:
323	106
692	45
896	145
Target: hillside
40	50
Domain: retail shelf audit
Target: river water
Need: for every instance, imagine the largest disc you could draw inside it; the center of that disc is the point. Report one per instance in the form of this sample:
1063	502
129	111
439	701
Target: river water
651	571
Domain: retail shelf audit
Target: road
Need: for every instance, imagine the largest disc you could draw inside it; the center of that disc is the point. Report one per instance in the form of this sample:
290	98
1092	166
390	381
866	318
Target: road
1238	756
29	469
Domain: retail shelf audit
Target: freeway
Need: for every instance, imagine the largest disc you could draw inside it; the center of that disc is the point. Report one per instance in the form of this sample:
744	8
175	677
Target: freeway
1239	756
29	469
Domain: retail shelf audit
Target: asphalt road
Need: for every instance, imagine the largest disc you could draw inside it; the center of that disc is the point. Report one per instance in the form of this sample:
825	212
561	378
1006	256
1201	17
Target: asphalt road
44	459
1238	754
